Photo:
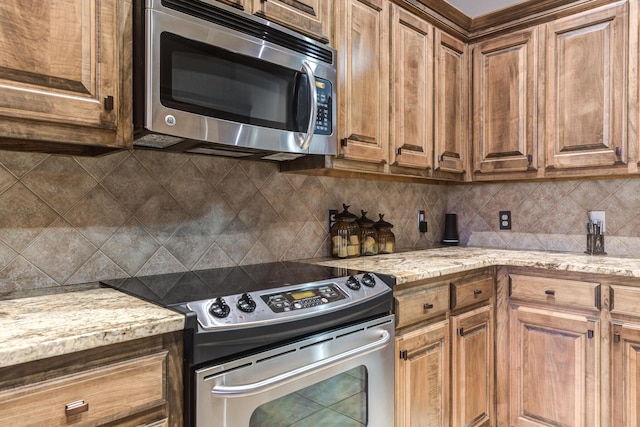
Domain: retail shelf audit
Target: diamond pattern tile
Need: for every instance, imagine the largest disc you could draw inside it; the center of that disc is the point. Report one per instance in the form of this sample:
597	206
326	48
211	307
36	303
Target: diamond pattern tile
67	220
60	182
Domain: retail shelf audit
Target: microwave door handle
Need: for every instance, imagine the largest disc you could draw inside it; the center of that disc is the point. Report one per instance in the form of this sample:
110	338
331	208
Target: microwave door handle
244	390
302	140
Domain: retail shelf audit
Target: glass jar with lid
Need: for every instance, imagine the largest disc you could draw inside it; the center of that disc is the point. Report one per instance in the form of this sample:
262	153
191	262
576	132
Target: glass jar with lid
345	235
386	238
368	235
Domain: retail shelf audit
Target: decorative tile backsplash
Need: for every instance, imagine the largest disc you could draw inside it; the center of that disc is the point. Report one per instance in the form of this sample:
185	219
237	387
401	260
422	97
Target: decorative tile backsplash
67	220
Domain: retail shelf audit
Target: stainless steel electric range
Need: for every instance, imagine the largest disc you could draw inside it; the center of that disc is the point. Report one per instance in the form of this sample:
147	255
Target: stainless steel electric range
281	344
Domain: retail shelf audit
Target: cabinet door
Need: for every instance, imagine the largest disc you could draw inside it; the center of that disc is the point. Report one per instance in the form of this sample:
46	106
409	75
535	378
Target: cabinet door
625	376
363	85
450	116
504	103
310	17
554	366
422	377
65	73
411	91
472	371
585	89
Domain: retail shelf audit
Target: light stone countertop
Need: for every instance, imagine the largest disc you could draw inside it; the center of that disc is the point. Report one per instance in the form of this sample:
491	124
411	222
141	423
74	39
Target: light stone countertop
34	328
429	263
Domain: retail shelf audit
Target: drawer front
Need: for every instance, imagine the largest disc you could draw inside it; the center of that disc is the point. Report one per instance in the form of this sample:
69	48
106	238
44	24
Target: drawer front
418	305
624	300
90	397
570	293
471	291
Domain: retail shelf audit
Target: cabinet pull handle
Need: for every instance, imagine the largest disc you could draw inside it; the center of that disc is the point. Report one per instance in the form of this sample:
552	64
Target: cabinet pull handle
76	407
477	291
427	306
398	151
529	159
460	331
344	142
404	355
441	158
550	292
618	151
616	337
108	103
590	333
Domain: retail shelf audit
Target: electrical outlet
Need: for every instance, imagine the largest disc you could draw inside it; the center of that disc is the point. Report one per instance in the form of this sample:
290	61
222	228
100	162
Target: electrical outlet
505	220
332	217
422	223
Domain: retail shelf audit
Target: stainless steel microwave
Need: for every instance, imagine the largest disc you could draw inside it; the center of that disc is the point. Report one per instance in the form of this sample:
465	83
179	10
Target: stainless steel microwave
211	79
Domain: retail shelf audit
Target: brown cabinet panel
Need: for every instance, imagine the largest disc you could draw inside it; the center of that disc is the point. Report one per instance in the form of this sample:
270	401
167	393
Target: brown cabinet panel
625	376
451	116
504	103
414	306
65	73
554	368
585	89
553	291
310	17
467	292
362	34
411	130
472	374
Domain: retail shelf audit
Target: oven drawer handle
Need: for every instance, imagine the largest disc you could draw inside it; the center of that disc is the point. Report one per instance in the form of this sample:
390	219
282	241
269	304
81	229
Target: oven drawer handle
273	382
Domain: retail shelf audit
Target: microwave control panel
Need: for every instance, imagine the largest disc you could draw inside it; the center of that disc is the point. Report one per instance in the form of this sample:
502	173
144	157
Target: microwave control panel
324	119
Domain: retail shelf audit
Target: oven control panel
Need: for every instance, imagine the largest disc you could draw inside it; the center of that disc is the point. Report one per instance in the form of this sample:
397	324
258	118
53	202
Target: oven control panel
299	299
286	303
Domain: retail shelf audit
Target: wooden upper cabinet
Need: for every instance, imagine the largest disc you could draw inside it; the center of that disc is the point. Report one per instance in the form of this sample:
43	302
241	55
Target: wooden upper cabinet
451	116
310	17
504	103
586	92
362	34
65	75
411	61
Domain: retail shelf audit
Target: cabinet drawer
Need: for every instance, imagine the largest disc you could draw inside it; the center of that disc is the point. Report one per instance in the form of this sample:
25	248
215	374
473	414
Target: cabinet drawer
571	293
471	291
417	305
624	300
90	397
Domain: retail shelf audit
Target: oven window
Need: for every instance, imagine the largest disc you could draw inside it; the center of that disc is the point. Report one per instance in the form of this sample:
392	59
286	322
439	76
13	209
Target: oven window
337	401
210	81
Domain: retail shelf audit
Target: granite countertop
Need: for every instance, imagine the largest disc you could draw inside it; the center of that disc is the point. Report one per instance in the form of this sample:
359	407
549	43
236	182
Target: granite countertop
36	327
429	263
39	325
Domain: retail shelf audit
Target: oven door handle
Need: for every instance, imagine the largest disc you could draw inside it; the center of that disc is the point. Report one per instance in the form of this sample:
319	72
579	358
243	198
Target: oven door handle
304	141
286	377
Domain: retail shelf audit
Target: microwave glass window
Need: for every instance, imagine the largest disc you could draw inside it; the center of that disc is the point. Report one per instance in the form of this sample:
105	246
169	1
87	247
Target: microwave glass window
203	79
337	401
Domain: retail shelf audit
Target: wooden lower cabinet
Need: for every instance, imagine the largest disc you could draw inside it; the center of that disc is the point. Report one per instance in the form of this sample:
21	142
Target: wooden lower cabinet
625	375
137	383
554	368
472	374
422	377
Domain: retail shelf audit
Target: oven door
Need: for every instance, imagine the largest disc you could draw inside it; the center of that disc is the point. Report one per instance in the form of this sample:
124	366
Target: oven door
342	377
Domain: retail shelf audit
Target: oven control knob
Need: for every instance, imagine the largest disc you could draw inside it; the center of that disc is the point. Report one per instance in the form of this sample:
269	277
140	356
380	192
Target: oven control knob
246	303
353	283
219	308
368	280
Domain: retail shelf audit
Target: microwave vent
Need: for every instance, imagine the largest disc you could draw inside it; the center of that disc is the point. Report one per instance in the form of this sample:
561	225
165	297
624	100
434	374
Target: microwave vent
250	27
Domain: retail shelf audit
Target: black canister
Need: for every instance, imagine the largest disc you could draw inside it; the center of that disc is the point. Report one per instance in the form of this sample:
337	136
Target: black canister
450	230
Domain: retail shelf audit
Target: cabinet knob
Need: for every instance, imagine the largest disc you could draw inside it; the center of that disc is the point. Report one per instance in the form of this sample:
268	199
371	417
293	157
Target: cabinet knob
477	291
427	306
76	407
108	103
529	158
618	151
550	292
